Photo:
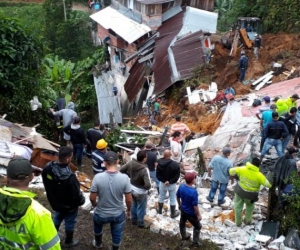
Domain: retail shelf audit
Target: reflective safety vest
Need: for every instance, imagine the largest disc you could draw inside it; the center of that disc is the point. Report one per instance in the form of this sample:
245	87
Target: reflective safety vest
33	230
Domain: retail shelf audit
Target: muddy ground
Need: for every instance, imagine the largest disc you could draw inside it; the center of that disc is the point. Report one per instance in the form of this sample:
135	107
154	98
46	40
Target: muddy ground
281	48
134	238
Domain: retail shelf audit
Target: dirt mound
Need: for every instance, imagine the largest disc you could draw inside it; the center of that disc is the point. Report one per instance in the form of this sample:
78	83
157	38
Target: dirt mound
281	48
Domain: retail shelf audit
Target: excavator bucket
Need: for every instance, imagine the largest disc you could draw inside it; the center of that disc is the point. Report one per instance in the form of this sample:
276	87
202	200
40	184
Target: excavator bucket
245	39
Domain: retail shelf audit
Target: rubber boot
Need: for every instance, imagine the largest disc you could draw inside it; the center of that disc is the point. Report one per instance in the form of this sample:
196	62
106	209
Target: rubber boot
196	235
184	234
115	247
69	241
174	213
160	207
97	242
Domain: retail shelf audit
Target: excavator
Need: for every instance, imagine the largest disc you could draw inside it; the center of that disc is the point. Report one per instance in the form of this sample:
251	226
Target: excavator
242	32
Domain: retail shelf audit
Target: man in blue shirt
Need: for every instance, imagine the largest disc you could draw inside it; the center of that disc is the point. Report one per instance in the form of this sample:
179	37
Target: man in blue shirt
187	199
220	165
265	118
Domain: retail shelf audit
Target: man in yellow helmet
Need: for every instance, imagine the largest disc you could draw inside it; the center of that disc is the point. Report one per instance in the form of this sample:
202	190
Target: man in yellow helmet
24	223
247	189
98	156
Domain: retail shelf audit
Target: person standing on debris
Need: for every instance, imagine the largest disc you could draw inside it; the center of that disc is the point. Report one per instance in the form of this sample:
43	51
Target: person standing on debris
243	65
284	168
292	101
220	164
176	148
168	173
276	132
247	189
78	139
67	114
289	120
110	188
297	136
151	162
181	127
157	108
257	45
187	199
265	107
98	157
265	118
281	105
140	184
93	135
63	193
24	223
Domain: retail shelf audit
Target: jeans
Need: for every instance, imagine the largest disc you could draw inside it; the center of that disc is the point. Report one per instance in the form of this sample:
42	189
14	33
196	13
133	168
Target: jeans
238	210
213	189
154	178
277	143
163	189
263	138
256	50
116	226
68	217
78	151
242	74
285	142
138	208
191	218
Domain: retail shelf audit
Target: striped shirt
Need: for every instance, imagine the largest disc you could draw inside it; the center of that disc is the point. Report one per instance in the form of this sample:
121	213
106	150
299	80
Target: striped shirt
181	127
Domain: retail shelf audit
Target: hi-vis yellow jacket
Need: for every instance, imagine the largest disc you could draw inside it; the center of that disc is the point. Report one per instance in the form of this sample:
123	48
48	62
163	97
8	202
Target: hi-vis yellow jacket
250	179
24	223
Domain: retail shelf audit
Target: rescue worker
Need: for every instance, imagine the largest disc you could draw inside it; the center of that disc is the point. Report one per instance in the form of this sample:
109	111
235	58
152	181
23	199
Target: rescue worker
98	156
243	65
247	189
24	223
292	101
257	45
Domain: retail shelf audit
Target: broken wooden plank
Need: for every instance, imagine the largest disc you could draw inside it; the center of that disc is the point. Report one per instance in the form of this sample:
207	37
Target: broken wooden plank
262	78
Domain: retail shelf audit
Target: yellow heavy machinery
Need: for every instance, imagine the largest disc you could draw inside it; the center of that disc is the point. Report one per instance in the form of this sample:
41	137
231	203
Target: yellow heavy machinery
242	33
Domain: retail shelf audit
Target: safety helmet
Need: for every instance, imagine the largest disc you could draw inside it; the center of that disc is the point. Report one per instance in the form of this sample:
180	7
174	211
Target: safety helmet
101	144
242	52
256	34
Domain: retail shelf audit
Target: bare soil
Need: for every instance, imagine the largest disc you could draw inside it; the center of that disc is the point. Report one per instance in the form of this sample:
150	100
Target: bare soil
281	48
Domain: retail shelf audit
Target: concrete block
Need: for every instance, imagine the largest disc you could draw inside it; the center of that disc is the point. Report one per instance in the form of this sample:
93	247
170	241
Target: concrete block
229	223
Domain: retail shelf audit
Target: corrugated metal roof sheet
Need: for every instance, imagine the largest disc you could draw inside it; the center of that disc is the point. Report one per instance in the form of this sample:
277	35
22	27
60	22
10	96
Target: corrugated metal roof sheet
126	28
188	53
171	12
136	79
161	67
196	19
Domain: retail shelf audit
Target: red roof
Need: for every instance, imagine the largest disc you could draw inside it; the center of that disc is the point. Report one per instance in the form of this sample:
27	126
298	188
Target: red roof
136	79
188	53
161	67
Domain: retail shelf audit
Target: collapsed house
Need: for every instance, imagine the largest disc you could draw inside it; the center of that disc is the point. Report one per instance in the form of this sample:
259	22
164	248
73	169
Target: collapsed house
159	43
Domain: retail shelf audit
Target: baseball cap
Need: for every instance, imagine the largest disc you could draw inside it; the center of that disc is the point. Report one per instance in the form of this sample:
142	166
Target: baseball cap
19	168
295	96
226	150
273	106
267	98
110	156
292	150
190	176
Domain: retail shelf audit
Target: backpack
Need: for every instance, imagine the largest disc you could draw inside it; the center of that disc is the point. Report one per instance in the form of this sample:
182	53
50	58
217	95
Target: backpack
245	62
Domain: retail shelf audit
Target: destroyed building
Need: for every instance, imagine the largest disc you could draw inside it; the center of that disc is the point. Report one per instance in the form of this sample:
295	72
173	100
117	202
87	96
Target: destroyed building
158	44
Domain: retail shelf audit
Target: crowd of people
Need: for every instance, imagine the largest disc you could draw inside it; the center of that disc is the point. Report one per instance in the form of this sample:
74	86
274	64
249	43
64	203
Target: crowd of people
25	223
